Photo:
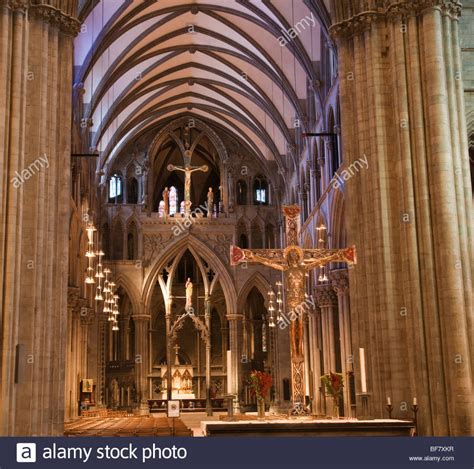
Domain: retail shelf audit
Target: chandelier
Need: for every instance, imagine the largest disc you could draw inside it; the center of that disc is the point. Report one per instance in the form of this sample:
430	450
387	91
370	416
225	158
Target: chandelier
97	275
279	305
322	275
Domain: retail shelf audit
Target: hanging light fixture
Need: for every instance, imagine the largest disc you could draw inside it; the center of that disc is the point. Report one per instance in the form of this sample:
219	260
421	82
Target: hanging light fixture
105	290
279	300
321	229
271	309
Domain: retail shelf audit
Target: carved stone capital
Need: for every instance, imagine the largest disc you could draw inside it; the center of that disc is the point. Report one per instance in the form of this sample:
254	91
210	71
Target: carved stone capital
86	316
325	296
67	24
355	25
405	8
15	5
141	318
340	280
75	302
352	23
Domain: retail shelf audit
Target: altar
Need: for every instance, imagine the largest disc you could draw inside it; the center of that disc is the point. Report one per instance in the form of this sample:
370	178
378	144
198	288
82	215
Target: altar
181	382
248	426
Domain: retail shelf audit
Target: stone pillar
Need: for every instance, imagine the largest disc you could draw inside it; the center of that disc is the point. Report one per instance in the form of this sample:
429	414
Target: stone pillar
169	344
340	283
235	339
410	211
225	343
315	342
102	324
326	169
207	318
35	100
142	324
327	303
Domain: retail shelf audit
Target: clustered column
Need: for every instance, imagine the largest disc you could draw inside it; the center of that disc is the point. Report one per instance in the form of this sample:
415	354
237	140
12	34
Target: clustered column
410	212
35	99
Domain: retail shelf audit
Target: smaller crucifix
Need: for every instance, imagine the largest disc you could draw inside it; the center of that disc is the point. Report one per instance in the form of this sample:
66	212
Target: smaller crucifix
187	169
176	351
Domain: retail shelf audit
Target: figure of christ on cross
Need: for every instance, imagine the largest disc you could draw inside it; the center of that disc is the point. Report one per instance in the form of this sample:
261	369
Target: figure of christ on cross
187	169
295	262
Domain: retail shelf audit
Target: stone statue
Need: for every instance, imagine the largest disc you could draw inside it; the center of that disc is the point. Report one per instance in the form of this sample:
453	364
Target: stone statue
166	200
210	202
115	393
189	296
230	188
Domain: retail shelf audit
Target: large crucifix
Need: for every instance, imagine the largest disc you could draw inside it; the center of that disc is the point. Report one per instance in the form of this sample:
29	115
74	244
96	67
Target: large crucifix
295	262
187	169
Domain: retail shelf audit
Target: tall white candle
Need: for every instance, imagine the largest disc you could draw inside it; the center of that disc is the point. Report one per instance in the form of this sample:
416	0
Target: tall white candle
389	401
415	402
363	376
229	372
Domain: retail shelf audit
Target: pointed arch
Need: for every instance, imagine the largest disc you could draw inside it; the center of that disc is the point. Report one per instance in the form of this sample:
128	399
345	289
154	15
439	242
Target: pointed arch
117	251
177	248
258	281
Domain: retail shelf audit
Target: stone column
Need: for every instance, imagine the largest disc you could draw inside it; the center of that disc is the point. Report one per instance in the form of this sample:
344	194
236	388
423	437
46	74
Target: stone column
410	211
102	324
169	344
340	283
142	324
35	100
72	354
207	317
327	303
235	339
315	342
326	169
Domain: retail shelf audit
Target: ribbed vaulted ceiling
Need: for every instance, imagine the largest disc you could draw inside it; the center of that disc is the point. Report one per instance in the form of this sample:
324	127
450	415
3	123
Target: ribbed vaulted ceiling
143	62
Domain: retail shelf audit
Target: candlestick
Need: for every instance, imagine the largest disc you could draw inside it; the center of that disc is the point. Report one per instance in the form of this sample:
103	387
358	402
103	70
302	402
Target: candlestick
229	372
363	377
389	408
414	408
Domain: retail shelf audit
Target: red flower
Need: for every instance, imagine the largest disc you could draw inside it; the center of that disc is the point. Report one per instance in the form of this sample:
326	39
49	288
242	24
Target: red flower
260	383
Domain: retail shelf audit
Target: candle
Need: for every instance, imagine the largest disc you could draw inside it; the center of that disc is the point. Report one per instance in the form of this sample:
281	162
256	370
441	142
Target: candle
415	402
363	377
389	401
229	371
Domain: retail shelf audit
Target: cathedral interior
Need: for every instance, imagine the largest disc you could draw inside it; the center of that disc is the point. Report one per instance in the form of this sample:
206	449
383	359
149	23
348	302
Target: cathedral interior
141	140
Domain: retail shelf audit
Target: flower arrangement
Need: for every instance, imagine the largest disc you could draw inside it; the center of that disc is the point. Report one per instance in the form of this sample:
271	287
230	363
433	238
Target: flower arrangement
260	384
334	383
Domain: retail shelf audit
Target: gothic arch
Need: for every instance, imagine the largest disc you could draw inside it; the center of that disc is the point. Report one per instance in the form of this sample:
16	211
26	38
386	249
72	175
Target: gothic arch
258	281
121	280
167	131
176	249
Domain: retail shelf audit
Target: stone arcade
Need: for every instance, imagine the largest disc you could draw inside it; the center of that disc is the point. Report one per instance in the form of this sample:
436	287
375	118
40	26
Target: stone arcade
140	140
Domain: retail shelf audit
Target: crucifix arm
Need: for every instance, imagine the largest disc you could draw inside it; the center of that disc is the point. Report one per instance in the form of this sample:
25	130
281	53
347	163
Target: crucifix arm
270	257
172	167
204	169
318	257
